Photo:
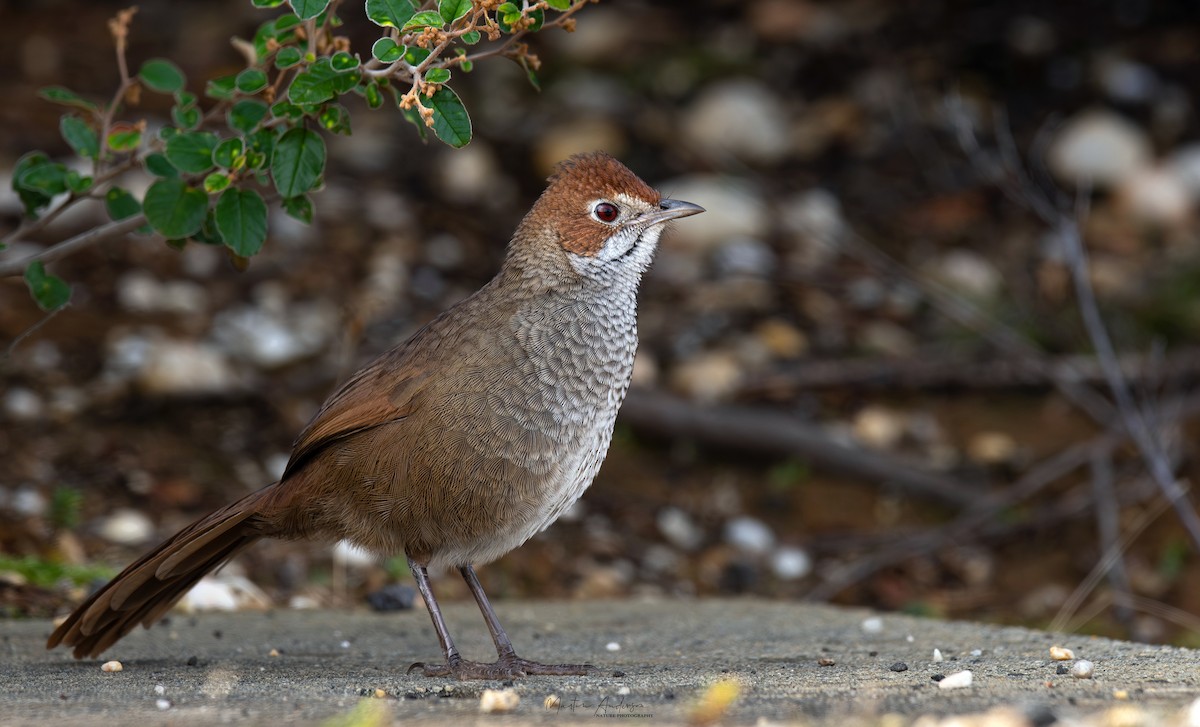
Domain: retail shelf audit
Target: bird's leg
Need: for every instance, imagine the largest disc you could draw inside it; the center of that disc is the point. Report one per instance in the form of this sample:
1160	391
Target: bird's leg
508	663
449	650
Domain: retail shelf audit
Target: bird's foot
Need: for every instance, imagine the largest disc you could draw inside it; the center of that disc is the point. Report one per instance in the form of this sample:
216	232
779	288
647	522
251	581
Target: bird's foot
503	668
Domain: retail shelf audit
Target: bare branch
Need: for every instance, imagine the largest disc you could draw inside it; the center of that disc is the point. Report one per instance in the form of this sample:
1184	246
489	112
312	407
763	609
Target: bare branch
79	242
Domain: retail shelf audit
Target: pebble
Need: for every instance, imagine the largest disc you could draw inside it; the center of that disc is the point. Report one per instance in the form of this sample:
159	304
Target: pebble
816	226
623	692
992	448
162	704
899	666
1059	653
271	339
969	273
749	535
552	702
958	680
111	666
679	529
879	427
126	527
160	689
1155	195
1062	669
739	118
826	662
872	625
1100	148
734	208
28	502
781	339
612	646
707	377
744	256
140	292
937	656
225	591
790	563
1083	669
23	405
184	368
392	597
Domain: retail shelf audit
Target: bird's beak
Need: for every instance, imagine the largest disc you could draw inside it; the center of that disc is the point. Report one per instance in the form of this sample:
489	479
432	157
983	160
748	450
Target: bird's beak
670	209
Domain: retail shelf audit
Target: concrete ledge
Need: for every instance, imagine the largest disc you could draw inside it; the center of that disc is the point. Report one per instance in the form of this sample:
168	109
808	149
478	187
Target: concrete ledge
669	653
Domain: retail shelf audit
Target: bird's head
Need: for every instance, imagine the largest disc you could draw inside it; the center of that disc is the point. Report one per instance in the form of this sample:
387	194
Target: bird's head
598	220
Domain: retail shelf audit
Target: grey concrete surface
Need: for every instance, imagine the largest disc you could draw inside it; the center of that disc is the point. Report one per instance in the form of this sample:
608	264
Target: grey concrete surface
218	668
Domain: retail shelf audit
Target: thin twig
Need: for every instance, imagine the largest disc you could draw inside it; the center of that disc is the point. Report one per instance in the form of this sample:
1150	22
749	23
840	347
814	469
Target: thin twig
79	242
12	347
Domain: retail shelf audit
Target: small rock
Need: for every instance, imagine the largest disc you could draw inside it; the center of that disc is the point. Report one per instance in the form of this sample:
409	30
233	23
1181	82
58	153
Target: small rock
815	223
623	692
744	256
126	527
740	118
958	680
790	563
679	528
162	704
552	702
225	591
899	666
1156	196
23	405
612	646
872	625
140	292
270	339
160	689
826	662
184	368
749	535
1059	653
937	656
969	273
992	448
392	597
1099	148
28	502
707	377
734	208
111	666
1083	669
1062	669
879	427
781	339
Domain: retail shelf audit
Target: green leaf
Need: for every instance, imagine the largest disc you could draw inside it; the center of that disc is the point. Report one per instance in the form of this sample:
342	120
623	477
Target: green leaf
390	13
415	55
241	218
174	209
471	37
559	4
424	19
80	135
463	63
386	50
307	9
50	292
66	97
185	118
437	75
343	61
208	232
223	88
451	123
373	95
321	82
452	10
246	115
529	74
298	162
228	153
121	204
251	80
192	152
287	57
335	118
260	143
300	208
267	3
77	183
185	99
158	165
161	75
216	182
47	178
124	137
33	199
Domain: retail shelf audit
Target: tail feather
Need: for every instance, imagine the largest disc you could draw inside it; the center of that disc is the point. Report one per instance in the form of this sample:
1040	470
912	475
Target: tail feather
152	584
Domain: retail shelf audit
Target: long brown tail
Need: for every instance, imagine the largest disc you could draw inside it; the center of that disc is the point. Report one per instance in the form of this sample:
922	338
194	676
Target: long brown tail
148	588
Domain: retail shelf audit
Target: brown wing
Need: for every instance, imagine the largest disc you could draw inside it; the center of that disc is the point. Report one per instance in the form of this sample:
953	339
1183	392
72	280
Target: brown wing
384	391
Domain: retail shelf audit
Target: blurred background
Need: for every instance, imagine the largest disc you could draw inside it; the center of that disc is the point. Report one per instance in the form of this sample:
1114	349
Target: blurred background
864	376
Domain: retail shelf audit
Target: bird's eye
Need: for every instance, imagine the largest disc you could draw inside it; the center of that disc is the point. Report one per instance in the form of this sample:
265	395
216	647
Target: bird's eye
606	212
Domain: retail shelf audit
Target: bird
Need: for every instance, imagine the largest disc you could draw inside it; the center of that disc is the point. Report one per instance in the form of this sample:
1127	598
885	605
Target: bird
461	442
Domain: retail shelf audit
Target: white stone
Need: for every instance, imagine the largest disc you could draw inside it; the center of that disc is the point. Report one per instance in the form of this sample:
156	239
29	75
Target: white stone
29	502
140	292
1099	148
969	273
937	656
740	118
184	368
1156	195
679	529
879	427
790	563
749	535
1193	713
23	404
225	592
612	646
733	208
270	339
957	680
707	377
126	527
872	625
496	701
1083	669
815	214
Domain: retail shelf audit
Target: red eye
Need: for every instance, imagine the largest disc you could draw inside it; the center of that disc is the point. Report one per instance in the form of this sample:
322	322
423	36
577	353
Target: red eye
606	212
